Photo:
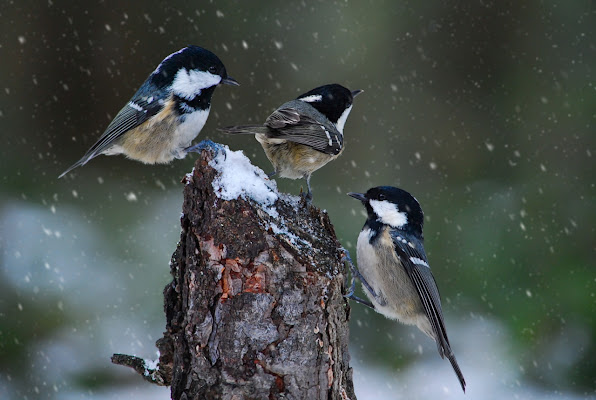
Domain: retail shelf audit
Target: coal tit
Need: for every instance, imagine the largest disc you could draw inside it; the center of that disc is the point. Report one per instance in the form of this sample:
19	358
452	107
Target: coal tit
304	134
167	112
393	267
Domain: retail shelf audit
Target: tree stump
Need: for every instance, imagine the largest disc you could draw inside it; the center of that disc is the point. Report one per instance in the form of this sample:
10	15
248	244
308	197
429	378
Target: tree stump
255	308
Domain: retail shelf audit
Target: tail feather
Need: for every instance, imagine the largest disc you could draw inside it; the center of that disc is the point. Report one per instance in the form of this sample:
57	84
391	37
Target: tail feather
445	351
460	376
79	163
244	129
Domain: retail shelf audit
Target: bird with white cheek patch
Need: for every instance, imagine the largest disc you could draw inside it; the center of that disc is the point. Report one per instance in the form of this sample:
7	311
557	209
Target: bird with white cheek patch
303	135
168	111
393	268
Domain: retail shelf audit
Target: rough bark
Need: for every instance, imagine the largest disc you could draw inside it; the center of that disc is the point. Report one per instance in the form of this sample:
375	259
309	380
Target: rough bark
253	311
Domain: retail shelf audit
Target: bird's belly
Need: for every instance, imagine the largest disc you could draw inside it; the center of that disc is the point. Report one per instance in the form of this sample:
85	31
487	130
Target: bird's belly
292	160
396	296
160	140
188	130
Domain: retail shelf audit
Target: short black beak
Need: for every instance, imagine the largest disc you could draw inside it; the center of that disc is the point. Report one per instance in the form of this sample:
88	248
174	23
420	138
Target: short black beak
358	196
230	81
356	92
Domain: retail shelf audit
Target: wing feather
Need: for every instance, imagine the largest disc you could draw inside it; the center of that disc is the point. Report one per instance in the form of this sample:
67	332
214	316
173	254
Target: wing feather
130	116
282	117
133	114
415	262
292	125
413	258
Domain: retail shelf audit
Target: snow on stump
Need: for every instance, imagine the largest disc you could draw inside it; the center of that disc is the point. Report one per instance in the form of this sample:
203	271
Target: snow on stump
255	308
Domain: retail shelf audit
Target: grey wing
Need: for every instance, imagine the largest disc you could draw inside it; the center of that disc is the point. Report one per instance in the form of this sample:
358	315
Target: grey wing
130	116
133	114
416	264
414	260
291	125
282	117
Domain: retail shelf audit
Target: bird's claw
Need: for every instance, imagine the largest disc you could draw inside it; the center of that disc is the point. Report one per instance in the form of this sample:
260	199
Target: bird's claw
345	258
354	273
307	197
206	145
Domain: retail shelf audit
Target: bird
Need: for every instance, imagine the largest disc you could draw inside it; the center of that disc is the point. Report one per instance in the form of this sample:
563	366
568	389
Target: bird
304	134
393	267
167	112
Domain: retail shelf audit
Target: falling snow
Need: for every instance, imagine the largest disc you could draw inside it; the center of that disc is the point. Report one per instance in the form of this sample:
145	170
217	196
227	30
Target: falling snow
491	129
130	196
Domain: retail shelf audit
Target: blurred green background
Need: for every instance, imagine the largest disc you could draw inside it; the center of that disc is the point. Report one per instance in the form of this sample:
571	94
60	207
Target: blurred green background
485	111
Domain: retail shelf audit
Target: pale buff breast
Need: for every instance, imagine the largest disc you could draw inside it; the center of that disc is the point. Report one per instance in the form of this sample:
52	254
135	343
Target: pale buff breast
397	296
161	139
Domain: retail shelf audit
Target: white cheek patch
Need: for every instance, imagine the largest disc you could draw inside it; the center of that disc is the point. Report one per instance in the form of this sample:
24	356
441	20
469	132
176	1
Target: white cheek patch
342	120
188	84
388	213
312	98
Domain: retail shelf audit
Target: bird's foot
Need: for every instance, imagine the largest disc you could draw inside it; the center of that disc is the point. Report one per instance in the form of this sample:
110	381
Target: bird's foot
206	145
355	273
307	197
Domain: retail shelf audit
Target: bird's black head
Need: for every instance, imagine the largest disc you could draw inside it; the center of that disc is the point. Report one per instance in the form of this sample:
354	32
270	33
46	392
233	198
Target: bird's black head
333	101
394	207
190	70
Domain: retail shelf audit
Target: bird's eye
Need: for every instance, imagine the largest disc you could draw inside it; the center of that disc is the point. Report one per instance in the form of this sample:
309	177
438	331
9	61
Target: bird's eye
382	197
213	69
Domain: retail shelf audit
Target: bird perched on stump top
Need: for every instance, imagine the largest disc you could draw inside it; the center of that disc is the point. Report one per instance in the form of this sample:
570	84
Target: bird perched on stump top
303	135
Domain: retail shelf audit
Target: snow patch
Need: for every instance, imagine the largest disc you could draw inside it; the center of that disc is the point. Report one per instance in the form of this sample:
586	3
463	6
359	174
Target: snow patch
284	231
239	178
151	364
189	176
